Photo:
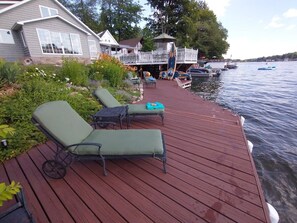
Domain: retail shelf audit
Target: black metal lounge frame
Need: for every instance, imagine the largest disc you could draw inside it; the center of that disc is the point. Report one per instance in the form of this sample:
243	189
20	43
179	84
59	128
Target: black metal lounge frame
63	158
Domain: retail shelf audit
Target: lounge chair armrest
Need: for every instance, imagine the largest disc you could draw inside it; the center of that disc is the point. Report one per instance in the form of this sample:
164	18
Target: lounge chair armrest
85	144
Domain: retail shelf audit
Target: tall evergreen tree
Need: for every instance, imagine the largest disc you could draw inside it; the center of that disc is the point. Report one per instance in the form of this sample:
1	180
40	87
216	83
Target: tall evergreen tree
121	18
85	10
192	23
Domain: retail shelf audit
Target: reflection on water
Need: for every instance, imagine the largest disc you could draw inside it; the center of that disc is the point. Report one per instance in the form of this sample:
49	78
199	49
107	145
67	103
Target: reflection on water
268	101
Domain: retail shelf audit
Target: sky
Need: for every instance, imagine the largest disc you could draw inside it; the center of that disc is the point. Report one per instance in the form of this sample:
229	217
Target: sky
256	28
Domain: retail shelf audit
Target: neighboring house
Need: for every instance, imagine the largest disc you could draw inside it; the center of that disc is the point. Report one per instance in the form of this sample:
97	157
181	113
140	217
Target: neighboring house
108	44
44	31
131	45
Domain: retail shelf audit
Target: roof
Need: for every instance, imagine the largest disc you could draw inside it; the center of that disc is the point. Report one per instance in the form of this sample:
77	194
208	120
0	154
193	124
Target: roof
102	33
106	38
19	3
17	25
164	37
131	42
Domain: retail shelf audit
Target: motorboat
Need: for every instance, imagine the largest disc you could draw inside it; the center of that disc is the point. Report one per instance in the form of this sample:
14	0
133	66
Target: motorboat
204	72
199	72
230	65
267	68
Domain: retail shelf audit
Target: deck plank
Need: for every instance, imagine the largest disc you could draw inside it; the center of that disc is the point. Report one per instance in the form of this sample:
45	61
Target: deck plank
211	174
15	172
51	203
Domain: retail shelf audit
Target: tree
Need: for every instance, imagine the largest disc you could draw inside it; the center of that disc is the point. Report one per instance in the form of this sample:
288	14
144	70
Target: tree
85	10
121	18
193	25
148	40
166	15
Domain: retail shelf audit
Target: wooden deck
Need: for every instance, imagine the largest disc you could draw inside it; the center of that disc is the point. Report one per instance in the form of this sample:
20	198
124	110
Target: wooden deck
211	175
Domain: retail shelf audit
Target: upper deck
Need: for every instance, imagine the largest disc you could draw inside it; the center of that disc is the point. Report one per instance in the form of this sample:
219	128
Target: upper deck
183	56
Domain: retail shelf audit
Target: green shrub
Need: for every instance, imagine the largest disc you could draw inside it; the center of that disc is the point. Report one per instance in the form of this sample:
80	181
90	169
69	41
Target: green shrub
74	72
108	68
8	72
16	111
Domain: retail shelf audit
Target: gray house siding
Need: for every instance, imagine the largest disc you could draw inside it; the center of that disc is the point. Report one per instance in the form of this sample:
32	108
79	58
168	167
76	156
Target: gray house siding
12	52
31	10
3	6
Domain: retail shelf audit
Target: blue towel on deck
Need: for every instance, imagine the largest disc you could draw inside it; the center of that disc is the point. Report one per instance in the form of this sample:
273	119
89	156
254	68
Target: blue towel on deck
154	105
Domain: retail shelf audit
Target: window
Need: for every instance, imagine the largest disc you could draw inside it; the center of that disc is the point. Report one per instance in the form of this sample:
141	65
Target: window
59	43
66	43
93	49
75	40
45	40
46	11
6	36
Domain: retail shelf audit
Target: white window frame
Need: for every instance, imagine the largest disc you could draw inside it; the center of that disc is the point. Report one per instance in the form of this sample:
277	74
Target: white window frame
6	36
74	42
92	49
48	39
50	11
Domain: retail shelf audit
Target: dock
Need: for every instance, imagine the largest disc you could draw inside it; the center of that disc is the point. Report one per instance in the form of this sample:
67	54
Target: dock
211	175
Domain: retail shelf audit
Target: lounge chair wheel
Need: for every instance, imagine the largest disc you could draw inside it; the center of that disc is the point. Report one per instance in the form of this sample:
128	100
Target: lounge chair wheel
54	169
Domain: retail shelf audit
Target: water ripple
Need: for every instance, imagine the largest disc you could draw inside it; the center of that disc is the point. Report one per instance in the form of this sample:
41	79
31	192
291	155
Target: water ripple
268	101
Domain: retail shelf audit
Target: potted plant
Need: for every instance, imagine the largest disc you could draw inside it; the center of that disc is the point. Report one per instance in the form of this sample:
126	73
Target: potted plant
8	191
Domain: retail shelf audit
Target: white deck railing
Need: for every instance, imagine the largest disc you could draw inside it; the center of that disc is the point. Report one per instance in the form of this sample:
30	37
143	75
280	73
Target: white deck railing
183	55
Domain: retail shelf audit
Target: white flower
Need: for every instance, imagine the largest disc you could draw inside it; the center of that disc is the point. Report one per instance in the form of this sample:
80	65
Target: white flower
67	79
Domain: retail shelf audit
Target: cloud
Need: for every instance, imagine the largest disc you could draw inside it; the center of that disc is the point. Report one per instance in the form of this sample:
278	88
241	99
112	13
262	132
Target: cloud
290	13
291	27
218	7
275	22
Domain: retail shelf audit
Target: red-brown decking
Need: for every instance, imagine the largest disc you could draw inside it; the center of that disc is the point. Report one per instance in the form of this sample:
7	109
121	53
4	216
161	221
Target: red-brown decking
211	175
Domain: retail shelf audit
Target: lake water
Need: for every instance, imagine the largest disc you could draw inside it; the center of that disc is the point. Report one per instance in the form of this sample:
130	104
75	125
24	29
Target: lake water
268	101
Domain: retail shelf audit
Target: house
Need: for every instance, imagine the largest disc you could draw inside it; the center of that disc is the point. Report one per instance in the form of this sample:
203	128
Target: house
44	31
108	43
131	45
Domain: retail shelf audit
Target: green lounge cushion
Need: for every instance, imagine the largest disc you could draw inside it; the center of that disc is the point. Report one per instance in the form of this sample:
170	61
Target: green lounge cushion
124	142
62	122
109	101
141	109
106	98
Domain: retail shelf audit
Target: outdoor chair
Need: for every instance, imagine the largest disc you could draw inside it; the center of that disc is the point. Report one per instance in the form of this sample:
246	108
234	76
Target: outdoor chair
181	84
148	80
133	80
107	100
77	140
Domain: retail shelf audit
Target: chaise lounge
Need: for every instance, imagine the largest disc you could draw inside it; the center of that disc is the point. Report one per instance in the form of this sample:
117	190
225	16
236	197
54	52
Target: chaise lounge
107	100
77	140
